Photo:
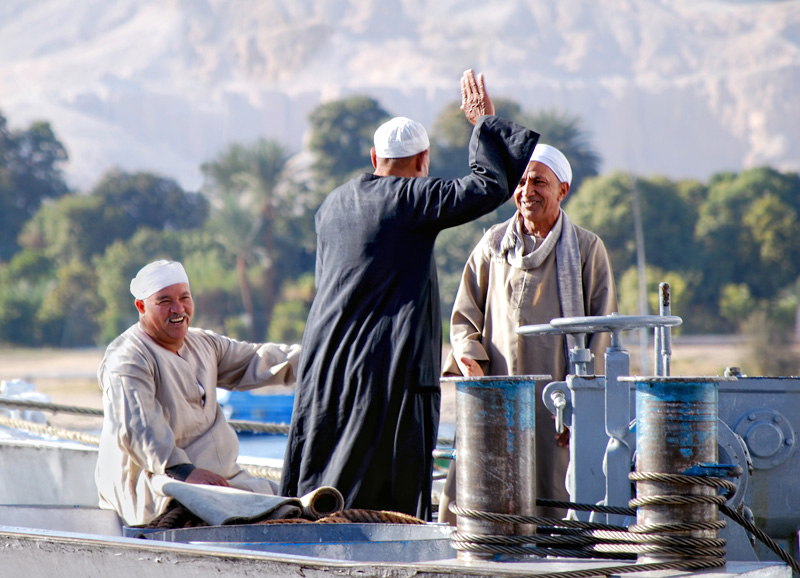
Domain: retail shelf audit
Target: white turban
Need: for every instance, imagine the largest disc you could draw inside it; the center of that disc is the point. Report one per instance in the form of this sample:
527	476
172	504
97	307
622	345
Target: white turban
155	276
399	138
555	161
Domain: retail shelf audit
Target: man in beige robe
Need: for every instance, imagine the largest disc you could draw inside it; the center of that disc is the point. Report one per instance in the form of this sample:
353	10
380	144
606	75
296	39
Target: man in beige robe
534	267
161	415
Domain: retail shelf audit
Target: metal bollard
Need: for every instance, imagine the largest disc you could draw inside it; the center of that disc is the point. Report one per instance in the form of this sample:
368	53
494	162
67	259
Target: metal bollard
495	440
676	433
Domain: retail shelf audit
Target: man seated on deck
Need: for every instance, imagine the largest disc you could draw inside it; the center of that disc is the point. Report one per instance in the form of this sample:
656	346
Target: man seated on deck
159	381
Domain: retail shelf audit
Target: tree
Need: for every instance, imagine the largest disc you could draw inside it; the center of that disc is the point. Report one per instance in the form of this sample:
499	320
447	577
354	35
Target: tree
30	172
564	131
68	314
292	310
254	208
604	206
748	232
342	136
81	227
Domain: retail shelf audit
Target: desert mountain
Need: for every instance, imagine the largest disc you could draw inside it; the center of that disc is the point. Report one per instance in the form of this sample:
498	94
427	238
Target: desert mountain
683	88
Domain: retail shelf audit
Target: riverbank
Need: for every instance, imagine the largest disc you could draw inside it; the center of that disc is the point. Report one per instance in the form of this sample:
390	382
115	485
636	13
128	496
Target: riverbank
68	376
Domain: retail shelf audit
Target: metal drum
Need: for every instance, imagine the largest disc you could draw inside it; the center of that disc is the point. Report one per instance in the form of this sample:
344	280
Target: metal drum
495	442
676	433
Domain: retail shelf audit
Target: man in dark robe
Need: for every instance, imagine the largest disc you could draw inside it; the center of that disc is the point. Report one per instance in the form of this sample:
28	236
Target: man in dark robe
366	411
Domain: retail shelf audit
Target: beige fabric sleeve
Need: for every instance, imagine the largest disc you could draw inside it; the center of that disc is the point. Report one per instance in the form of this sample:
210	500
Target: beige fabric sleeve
469	307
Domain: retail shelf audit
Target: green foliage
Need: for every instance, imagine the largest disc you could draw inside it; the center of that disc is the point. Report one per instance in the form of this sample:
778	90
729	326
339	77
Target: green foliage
30	173
770	333
69	312
80	227
342	136
74	227
291	312
148	200
747	232
680	290
256	210
18	306
604	205
736	303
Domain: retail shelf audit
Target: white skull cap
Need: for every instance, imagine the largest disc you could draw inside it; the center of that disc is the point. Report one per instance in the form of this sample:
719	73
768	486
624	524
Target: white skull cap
555	161
399	138
155	276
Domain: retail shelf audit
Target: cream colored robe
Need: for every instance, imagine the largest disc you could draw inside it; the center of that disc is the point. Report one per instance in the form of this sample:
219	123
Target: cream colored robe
495	298
155	419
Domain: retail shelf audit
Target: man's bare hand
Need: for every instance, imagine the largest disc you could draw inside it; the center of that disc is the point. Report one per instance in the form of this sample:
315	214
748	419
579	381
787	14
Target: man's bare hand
206	477
469	367
475	101
562	439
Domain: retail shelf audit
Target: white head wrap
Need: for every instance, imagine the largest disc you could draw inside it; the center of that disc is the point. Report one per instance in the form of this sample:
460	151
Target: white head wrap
155	276
555	161
399	138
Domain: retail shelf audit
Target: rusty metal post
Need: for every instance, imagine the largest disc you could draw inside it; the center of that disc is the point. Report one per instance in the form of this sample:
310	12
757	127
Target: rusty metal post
495	441
676	430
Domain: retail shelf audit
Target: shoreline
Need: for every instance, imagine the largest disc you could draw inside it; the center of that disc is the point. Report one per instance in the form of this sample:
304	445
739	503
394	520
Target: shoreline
68	376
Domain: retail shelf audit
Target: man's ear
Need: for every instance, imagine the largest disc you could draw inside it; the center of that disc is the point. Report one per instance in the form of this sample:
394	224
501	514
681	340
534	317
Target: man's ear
564	191
139	305
374	157
421	160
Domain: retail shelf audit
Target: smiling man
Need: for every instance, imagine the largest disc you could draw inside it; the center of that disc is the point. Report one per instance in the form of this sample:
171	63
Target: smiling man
161	415
534	267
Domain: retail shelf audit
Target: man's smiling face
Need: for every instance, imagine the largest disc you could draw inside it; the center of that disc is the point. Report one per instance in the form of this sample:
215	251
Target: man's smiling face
166	314
538	197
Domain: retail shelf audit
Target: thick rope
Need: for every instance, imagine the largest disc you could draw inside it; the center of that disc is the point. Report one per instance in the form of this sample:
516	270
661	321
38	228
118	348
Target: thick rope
761	535
269	472
37	428
594	541
47	406
238	425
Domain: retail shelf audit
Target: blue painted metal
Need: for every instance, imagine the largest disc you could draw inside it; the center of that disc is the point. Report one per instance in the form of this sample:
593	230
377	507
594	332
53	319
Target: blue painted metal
495	438
676	430
249	406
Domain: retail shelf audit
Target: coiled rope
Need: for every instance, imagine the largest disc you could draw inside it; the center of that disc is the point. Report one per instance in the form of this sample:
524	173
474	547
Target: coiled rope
576	539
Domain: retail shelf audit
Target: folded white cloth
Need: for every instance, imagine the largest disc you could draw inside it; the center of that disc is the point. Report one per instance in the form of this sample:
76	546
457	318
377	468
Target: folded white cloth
218	505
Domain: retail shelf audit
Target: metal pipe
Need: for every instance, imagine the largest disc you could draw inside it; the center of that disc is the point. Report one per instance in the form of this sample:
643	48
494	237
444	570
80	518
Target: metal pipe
664	308
495	437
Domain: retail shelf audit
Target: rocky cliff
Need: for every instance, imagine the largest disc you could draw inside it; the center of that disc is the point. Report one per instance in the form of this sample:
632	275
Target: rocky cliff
683	88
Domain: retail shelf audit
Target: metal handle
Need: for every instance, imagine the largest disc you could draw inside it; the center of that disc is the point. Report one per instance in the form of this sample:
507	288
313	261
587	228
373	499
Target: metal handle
560	402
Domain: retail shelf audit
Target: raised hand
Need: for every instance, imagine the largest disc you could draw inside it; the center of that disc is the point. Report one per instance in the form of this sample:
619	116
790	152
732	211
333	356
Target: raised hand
475	101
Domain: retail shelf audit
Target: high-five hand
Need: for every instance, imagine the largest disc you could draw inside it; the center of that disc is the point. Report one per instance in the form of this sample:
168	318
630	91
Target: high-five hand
475	101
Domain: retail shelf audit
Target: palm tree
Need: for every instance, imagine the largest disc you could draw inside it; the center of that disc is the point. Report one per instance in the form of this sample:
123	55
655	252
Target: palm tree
243	183
565	132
